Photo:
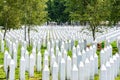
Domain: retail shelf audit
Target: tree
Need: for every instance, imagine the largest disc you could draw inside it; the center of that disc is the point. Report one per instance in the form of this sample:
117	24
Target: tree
9	15
34	13
115	12
56	11
93	12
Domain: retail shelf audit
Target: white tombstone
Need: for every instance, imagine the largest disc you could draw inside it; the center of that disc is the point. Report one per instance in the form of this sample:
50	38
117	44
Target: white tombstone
112	68
65	55
2	46
118	61
55	71
59	57
10	48
52	60
39	59
46	62
74	59
83	55
27	61
5	61
108	67
22	68
79	58
34	55
103	73
77	49
96	63
74	50
75	72
62	48
87	69
81	71
22	51
92	65
45	74
69	67
12	70
31	66
115	65
62	70
88	53
15	56
8	60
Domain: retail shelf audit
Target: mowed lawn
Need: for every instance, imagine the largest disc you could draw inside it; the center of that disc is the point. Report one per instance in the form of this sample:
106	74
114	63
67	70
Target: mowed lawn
38	75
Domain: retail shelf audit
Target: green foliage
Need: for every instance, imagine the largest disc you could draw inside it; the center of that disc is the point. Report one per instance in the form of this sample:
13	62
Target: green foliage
114	47
93	12
10	14
33	12
115	11
56	11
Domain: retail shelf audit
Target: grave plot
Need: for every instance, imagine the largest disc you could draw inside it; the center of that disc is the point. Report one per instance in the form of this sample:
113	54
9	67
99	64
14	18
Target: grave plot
57	53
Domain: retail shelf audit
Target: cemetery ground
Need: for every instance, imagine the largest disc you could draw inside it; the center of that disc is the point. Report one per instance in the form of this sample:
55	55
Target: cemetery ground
38	75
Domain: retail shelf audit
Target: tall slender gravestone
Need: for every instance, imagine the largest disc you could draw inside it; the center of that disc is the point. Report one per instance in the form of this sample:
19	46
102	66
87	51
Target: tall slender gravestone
69	68
39	58
62	69
27	61
81	71
55	71
31	66
12	70
5	61
75	72
103	73
45	74
22	68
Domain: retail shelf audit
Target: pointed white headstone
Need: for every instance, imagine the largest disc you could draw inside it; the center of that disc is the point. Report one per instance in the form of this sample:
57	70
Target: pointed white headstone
55	71
31	66
103	73
69	67
62	70
75	72
39	58
12	70
81	71
22	68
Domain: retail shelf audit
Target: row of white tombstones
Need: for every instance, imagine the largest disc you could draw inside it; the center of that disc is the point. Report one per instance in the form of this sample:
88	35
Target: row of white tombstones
65	69
111	68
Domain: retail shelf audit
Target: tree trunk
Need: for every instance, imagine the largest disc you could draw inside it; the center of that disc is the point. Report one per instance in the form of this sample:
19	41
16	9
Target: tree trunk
5	33
93	33
25	33
29	35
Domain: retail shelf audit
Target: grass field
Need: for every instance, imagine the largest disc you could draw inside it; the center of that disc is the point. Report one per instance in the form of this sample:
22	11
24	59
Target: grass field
38	75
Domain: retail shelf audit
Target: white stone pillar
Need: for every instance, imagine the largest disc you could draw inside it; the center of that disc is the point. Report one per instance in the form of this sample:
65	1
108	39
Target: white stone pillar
45	74
108	67
69	67
39	59
31	66
96	63
27	61
5	61
87	69
103	73
22	68
75	72
55	71
2	45
62	70
81	71
12	70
